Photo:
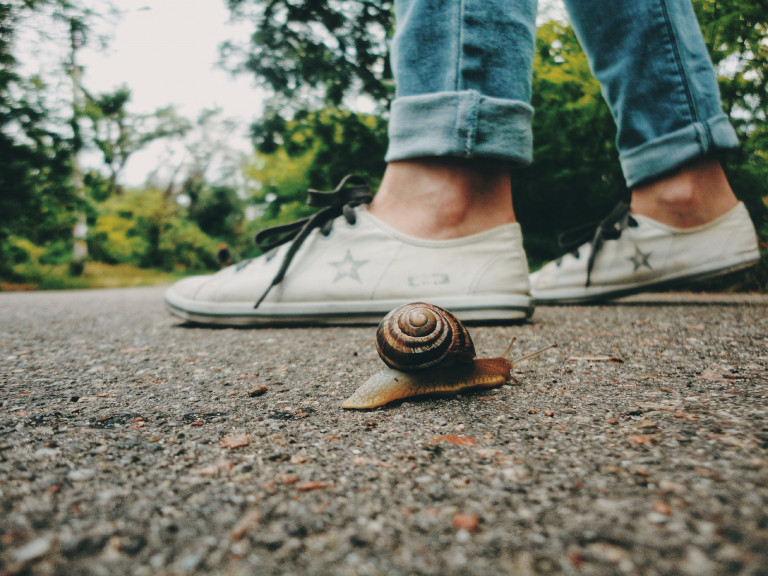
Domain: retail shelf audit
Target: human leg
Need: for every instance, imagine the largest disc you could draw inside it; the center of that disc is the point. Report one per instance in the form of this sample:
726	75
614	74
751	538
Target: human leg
691	196
442	198
664	96
684	221
461	116
463	76
442	226
657	78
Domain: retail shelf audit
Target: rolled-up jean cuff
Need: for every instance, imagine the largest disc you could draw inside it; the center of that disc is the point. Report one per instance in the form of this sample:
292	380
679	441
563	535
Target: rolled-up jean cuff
465	124
671	151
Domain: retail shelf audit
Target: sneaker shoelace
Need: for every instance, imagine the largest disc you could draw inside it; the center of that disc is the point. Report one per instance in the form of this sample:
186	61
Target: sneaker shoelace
596	233
351	192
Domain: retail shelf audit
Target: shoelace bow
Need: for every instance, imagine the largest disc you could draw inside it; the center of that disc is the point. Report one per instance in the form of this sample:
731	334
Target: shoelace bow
352	191
596	233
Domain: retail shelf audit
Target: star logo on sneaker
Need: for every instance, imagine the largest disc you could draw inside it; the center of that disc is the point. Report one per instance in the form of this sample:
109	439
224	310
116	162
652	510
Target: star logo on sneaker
348	267
640	259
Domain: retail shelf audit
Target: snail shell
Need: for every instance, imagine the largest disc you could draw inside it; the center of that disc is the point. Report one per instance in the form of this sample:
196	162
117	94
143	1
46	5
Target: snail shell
418	336
429	352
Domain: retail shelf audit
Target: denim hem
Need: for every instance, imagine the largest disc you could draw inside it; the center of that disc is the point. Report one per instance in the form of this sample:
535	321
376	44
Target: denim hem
465	124
673	150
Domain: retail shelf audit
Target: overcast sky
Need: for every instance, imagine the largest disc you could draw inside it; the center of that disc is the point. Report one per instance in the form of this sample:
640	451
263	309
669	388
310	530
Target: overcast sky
166	51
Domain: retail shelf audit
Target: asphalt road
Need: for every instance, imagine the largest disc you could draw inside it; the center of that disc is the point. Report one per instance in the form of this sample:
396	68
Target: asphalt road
133	444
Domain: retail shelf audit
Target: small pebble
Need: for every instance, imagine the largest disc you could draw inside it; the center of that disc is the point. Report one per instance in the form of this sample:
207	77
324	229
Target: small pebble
258	391
81	475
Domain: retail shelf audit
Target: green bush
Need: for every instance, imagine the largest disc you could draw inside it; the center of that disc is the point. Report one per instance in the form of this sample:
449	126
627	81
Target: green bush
148	229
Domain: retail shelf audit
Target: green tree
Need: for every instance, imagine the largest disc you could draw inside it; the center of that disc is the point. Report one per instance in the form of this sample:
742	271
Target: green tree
118	134
219	213
78	22
148	229
318	149
41	133
36	196
314	53
318	60
41	186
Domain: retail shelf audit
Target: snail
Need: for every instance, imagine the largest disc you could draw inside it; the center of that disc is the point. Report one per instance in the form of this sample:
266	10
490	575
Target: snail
428	351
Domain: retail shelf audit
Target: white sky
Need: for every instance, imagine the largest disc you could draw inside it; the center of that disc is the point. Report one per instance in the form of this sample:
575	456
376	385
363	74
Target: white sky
167	55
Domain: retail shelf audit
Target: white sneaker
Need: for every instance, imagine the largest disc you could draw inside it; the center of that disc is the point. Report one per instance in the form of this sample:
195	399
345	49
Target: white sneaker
357	269
632	253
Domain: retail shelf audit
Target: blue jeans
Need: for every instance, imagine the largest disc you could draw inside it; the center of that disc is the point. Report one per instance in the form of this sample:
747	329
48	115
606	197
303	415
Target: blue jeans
463	75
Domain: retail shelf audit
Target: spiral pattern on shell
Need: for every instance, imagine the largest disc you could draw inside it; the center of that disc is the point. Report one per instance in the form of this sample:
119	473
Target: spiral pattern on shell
418	335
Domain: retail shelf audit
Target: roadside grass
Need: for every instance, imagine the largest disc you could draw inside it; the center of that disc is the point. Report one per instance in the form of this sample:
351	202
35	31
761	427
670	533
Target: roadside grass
95	275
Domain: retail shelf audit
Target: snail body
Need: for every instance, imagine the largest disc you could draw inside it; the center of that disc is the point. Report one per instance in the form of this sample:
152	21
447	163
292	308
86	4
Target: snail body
429	353
389	385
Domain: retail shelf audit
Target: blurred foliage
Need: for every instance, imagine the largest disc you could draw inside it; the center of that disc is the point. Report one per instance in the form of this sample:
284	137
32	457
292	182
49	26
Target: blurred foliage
317	150
30	266
313	53
40	190
119	134
37	201
318	60
35	273
219	213
149	229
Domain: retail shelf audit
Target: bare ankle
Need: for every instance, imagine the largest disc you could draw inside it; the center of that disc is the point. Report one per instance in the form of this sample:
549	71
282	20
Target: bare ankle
692	196
444	198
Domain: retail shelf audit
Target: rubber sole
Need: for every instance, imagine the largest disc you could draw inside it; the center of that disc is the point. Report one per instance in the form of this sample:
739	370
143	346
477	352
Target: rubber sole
472	310
596	294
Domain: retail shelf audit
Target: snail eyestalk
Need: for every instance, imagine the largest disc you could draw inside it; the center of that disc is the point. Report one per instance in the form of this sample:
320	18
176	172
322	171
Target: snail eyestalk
509	347
532	355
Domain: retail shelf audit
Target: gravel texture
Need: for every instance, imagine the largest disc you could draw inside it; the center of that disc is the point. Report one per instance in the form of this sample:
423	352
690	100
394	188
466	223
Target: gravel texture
133	444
